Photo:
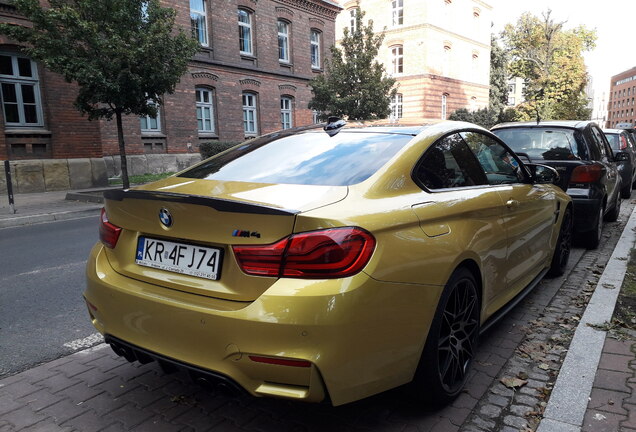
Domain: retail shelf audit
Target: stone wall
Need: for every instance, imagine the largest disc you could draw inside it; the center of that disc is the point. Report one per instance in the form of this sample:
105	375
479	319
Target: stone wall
48	175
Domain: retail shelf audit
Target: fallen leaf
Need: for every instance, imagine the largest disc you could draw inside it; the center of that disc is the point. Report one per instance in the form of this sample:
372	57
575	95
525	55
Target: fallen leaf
513	382
544	366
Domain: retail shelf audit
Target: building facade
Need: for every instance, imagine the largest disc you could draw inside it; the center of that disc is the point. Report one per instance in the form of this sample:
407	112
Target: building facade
620	108
249	77
437	50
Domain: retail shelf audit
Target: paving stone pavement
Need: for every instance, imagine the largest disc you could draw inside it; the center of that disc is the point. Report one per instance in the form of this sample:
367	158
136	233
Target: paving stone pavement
94	390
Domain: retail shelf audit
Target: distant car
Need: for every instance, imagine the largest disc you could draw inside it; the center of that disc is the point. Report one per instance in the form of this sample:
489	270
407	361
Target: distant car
331	264
581	154
624	150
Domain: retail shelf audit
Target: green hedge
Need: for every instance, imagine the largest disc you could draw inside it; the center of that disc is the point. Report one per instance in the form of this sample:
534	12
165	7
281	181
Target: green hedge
211	148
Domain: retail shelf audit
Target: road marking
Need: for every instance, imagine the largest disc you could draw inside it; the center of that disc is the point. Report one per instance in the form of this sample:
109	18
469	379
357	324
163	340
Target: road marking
47	269
87	342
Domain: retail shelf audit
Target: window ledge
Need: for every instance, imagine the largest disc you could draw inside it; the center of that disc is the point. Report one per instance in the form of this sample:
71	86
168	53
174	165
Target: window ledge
152	135
247	56
285	63
207	135
26	131
317	70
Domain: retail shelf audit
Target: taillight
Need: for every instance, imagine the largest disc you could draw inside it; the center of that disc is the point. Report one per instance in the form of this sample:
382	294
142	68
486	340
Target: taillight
623	143
586	174
108	233
330	253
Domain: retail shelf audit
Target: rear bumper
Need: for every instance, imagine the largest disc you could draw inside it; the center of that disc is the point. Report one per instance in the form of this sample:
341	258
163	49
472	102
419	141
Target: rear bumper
586	212
361	336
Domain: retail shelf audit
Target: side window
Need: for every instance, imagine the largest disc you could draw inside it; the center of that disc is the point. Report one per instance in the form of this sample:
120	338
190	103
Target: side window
606	151
499	165
449	164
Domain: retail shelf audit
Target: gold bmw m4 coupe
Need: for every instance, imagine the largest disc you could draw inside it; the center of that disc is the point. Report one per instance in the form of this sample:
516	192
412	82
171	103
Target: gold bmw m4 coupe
328	263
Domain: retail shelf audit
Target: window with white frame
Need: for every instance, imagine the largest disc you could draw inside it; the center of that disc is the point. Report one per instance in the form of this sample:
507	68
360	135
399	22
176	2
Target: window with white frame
473	104
396	107
250	123
20	86
315	49
245	32
150	123
205	110
353	14
444	97
397	59
397	12
286	112
315	117
198	21
283	41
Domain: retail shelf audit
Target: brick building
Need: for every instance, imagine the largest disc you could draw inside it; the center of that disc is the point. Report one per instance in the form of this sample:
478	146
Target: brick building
620	108
250	77
438	50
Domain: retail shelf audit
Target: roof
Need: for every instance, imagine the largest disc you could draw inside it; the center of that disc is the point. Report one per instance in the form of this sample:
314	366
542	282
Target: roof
571	124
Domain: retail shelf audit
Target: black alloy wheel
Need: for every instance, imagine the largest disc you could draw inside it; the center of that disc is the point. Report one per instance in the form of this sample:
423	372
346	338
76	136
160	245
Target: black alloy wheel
563	246
451	343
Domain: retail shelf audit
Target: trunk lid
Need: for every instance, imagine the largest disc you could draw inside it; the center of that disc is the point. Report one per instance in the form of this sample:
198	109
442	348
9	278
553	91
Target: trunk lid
208	214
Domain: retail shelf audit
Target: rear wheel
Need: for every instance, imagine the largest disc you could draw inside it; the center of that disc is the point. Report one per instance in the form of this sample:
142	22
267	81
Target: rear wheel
563	246
626	192
593	238
451	342
612	216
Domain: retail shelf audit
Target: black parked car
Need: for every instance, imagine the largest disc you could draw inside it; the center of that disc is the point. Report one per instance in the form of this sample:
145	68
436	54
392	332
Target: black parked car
625	154
581	154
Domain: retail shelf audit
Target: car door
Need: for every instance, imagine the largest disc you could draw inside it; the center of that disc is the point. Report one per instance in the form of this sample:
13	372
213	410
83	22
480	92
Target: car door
607	160
461	211
528	214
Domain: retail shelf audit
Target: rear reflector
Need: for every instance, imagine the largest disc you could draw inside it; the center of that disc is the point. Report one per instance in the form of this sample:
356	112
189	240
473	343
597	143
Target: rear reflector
108	233
586	174
280	361
323	254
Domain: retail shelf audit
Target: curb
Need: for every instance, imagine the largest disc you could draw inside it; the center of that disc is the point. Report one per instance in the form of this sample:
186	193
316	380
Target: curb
47	217
568	403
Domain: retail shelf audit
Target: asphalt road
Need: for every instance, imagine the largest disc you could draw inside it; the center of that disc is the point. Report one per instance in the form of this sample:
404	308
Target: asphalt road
41	285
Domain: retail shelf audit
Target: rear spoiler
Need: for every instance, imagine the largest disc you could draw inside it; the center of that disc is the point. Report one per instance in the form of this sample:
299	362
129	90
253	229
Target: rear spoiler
219	204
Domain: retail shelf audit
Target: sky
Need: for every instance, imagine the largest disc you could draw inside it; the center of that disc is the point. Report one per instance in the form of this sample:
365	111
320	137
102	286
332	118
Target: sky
613	20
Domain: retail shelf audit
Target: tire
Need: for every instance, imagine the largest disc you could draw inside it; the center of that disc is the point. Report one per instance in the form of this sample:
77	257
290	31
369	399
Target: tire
612	216
451	343
593	238
626	192
563	246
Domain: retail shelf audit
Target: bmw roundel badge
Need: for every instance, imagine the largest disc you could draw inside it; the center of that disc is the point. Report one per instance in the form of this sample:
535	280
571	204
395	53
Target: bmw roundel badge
165	217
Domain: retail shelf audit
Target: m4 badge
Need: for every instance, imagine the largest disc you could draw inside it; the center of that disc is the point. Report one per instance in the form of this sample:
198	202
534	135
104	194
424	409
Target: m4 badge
243	233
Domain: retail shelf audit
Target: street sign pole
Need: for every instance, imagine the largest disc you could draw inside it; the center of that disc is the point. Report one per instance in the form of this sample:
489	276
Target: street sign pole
7	172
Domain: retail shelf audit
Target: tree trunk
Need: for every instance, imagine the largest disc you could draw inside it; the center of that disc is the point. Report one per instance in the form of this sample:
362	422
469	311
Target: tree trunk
122	151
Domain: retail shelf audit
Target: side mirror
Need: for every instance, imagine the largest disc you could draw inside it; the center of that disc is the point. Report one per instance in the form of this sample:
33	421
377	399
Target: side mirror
621	156
543	174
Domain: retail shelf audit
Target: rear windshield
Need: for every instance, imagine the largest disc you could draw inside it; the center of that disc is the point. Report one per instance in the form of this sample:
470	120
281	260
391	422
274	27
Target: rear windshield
541	143
614	140
310	158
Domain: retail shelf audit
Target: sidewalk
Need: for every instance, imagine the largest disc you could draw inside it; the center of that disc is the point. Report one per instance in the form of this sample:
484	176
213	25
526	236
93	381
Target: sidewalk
48	207
94	390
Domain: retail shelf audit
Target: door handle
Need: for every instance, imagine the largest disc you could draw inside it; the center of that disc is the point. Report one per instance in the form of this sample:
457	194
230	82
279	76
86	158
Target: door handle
511	203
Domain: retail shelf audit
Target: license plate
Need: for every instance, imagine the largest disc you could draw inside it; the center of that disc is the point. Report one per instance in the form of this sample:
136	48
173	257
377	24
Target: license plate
193	260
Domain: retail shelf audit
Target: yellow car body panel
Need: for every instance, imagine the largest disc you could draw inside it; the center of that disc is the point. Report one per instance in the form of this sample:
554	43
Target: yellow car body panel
362	334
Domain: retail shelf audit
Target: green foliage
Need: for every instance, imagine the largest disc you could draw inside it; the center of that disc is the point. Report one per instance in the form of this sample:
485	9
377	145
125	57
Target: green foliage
123	54
486	117
355	84
208	149
550	61
498	95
